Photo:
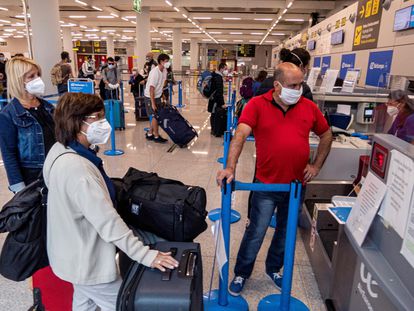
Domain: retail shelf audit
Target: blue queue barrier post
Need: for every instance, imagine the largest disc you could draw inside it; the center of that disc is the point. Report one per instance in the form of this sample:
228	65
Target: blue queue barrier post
113	151
220	299
215	214
284	301
170	92
229	91
229	123
180	95
146	129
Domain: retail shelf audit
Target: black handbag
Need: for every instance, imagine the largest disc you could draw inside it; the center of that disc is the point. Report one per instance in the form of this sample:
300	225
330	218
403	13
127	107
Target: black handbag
165	207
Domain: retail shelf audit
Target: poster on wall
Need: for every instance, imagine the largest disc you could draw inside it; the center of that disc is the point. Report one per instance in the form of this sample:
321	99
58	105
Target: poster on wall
317	62
367	25
347	62
326	64
379	67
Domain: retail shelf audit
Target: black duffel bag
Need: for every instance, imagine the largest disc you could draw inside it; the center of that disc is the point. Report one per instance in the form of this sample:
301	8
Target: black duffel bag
165	207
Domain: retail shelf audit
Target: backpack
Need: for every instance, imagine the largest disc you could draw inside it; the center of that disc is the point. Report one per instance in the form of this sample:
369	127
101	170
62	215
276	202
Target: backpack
246	89
56	74
205	85
240	106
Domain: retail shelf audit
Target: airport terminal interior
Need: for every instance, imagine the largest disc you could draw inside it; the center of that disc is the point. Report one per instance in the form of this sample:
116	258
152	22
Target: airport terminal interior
323	88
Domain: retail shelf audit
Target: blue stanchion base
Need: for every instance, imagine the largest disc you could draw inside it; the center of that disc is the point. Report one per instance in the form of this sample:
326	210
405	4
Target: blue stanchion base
234	303
272	303
273	222
115	152
215	215
180	106
220	160
146	129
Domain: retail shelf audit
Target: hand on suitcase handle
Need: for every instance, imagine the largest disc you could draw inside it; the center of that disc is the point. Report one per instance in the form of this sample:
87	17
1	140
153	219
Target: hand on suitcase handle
164	260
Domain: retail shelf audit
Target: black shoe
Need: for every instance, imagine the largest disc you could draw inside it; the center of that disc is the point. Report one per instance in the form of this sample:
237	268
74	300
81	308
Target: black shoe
160	140
149	137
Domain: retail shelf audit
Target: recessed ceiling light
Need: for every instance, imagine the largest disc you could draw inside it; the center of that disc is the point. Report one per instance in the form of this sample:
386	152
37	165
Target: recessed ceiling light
284	11
133	22
62	22
18	37
81	2
10	29
68	25
96	8
131	16
236	33
290	4
176	9
194	31
222	40
168	2
156	38
3	9
125	19
128	30
206	40
185	16
108	30
277	34
91	30
77	16
232	18
4	21
18	25
215	32
105	16
257	33
270	41
167	31
294	20
237	40
254	41
82	26
114	15
263	19
201	17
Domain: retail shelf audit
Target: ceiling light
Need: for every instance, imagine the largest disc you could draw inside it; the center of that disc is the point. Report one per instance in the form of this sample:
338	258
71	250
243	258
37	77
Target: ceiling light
128	30
10	29
18	24
77	16
201	17
130	16
62	22
96	8
284	11
91	30
177	9
294	20
278	34
168	2
81	2
189	19
68	25
263	19
167	31
125	19
169	39
4	21
270	41
156	38
82	26
279	18
114	15
215	32
257	33
104	38
108	30
290	4
254	41
185	16
194	23
232	18
134	22
222	40
194	31
206	40
105	16
118	35
236	33
19	37
237	40
3	9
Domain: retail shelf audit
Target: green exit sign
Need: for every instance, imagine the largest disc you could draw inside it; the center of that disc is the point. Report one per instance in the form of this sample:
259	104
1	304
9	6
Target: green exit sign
137	6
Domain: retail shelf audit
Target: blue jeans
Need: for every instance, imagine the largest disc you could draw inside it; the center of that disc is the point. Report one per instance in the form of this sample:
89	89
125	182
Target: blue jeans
263	207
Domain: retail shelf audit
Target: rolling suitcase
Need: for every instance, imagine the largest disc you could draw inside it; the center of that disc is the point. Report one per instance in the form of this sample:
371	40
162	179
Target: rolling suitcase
218	121
152	290
140	109
175	125
119	113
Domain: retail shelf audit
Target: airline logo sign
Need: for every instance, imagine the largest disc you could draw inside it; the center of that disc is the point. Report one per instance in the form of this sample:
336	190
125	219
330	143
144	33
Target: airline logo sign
347	62
326	64
379	67
317	62
367	25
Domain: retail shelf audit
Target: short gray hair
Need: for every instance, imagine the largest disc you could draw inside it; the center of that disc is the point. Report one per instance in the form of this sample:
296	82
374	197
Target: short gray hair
279	75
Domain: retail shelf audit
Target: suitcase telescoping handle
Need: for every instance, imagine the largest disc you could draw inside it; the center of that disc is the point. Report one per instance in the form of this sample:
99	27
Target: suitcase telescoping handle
186	266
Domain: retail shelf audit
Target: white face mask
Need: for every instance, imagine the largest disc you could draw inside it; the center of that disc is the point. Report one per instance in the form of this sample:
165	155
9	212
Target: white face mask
111	66
167	65
98	132
290	96
36	87
392	110
225	72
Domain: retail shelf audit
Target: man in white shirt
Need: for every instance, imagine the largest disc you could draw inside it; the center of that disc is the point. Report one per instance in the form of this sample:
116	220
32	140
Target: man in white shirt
153	93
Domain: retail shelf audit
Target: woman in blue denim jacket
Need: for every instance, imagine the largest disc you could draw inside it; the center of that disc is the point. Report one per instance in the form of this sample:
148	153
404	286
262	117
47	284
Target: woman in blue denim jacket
26	124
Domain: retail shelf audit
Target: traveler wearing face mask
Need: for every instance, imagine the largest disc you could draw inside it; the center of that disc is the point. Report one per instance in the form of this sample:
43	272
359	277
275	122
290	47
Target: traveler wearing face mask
88	68
153	94
111	76
216	104
150	63
83	227
23	150
62	72
401	108
281	121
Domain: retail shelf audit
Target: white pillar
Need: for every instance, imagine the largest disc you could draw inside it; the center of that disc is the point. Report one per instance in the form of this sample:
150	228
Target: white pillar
194	54
143	36
110	46
177	49
204	57
68	45
46	42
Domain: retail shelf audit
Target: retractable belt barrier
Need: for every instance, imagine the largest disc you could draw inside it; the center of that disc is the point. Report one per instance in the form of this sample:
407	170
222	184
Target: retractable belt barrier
220	299
113	151
180	95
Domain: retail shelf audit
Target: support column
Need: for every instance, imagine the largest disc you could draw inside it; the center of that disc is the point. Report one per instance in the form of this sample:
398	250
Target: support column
68	45
46	42
177	49
194	54
143	36
204	57
110	46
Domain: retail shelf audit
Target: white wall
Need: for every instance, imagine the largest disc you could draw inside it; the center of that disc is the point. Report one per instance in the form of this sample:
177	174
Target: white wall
14	46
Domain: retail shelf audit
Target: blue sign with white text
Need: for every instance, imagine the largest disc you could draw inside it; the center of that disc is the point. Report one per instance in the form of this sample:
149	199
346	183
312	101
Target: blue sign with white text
379	67
326	64
347	62
80	87
317	62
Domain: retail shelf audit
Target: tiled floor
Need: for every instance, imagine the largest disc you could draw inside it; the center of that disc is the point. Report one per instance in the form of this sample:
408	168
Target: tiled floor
196	165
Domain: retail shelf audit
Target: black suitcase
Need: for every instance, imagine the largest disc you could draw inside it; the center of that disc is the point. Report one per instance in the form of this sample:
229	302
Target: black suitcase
165	207
175	125
152	290
140	109
218	122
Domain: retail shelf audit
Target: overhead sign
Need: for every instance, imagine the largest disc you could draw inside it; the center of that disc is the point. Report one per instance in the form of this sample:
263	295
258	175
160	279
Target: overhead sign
317	62
77	86
379	67
347	62
367	25
137	6
326	64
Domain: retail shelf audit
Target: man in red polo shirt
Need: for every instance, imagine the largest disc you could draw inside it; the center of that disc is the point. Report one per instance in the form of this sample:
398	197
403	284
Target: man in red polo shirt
281	121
